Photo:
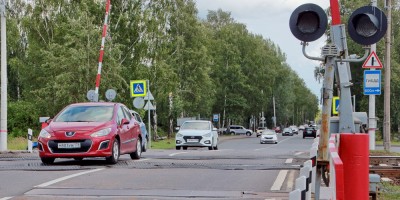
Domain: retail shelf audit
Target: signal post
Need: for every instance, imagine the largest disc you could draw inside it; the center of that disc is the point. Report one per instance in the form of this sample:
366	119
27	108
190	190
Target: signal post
366	26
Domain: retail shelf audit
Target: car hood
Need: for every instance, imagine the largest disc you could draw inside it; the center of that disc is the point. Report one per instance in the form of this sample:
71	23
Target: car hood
74	126
194	132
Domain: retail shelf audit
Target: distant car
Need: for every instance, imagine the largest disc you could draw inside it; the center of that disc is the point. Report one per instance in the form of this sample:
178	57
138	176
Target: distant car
143	130
301	128
309	132
278	129
287	131
268	136
260	130
239	130
197	133
294	129
95	129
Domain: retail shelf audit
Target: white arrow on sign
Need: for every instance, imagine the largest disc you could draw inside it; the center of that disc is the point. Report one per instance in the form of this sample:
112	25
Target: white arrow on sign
372	61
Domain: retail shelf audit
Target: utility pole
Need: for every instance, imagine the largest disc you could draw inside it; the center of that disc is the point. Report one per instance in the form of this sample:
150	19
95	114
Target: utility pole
3	129
386	110
371	106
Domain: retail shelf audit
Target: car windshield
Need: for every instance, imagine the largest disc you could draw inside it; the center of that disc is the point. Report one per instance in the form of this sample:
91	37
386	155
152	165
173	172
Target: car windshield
287	129
268	133
195	126
86	113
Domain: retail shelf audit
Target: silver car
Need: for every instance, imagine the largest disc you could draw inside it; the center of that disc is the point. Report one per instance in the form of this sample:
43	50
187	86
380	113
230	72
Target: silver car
197	133
268	136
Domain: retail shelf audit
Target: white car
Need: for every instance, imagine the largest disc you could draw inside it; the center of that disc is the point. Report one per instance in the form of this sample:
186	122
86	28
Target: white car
197	133
268	136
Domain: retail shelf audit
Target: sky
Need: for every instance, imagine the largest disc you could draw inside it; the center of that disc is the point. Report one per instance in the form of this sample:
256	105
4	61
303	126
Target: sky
270	18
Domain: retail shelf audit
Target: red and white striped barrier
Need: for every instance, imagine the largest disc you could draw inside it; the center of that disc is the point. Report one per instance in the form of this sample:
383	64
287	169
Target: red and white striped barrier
336	173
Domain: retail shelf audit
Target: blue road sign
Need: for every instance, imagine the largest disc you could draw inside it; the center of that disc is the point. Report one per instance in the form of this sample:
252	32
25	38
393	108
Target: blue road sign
138	88
372	82
215	117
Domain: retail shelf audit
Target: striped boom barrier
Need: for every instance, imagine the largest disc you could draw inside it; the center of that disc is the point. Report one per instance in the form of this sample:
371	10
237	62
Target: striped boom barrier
336	179
103	40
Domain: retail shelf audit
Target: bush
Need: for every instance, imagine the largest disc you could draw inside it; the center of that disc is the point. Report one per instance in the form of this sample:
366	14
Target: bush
21	116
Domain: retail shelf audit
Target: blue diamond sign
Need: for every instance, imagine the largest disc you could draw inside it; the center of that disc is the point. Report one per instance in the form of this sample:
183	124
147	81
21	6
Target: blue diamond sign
372	82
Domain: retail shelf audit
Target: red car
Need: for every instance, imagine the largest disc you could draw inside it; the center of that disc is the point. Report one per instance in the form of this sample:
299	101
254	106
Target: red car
93	129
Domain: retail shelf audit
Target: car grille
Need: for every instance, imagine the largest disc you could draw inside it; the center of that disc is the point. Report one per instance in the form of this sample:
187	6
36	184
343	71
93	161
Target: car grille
268	137
85	146
192	137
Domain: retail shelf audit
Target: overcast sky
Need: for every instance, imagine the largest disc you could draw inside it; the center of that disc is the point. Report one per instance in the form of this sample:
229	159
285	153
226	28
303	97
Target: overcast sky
270	18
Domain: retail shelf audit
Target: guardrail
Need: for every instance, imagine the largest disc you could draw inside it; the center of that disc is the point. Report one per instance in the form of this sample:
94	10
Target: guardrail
304	184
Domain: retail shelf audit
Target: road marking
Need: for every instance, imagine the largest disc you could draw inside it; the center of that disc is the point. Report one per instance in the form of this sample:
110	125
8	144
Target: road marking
279	180
6	198
298	153
143	159
289	160
290	182
67	177
174	154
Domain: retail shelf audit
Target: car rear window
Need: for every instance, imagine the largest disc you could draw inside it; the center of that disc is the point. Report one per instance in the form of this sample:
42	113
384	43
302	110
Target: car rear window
86	114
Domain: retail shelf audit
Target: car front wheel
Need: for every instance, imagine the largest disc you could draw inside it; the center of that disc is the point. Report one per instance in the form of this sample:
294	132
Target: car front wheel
47	160
113	159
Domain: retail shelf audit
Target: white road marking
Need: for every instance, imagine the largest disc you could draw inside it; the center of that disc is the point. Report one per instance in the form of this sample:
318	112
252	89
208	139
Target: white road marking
67	177
6	198
143	160
290	182
279	180
289	160
298	153
174	154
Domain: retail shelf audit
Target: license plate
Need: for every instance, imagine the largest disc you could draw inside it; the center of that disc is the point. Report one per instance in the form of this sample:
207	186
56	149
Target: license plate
69	145
192	140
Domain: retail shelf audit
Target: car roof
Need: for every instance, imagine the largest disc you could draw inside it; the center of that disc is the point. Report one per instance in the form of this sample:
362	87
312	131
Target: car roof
196	121
94	104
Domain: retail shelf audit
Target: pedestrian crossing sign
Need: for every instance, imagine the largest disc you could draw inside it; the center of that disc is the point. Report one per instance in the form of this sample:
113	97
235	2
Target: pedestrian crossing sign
138	88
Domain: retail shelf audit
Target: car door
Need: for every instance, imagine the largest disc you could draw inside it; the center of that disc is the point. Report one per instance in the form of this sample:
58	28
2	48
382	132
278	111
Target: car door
134	130
123	131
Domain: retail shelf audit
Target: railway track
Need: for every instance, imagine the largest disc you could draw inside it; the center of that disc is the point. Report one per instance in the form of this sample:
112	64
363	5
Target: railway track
385	166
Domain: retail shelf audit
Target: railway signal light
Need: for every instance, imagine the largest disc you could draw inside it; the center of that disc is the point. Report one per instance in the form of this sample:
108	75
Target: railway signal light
308	22
367	25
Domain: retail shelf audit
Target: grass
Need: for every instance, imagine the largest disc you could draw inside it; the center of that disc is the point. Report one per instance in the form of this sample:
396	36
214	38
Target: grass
163	144
383	153
392	142
17	143
389	191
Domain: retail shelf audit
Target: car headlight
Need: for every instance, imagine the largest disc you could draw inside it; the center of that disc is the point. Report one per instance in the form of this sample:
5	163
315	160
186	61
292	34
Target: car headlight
179	135
102	132
44	134
207	135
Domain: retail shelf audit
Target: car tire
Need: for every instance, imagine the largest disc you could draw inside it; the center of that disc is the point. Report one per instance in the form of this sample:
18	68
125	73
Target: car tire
113	159
276	142
216	147
178	148
144	147
47	161
210	147
232	133
136	154
248	133
184	148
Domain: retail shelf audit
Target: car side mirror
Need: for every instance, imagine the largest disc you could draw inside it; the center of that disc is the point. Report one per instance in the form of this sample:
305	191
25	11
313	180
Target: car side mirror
177	128
124	121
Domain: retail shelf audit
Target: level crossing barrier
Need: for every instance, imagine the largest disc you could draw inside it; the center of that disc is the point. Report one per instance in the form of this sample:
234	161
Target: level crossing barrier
336	169
305	182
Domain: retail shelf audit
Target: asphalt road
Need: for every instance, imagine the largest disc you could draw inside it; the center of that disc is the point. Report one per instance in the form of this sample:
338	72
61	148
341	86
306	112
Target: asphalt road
242	168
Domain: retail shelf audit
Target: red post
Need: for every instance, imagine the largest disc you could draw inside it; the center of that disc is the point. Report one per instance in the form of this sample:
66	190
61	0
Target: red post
335	12
354	152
